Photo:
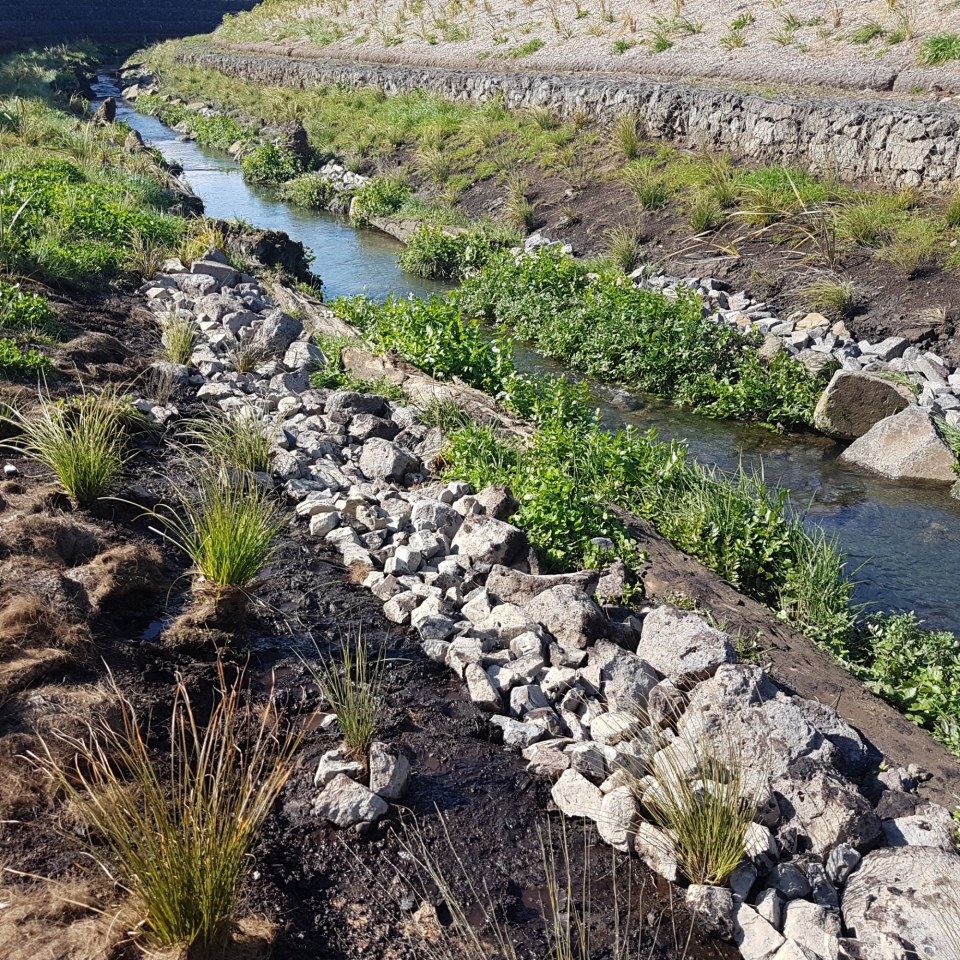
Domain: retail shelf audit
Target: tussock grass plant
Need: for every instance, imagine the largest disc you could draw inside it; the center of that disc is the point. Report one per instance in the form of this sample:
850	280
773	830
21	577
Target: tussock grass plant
245	355
951	436
179	334
626	134
704	804
624	247
837	296
354	687
644	179
914	246
82	441
227	527
445	414
240	439
180	827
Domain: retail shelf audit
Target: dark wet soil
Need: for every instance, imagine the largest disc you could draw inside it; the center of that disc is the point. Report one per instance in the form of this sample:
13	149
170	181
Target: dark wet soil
331	894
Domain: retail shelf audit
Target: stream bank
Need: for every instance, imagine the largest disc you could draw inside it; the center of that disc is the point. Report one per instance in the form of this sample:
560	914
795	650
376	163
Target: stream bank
902	542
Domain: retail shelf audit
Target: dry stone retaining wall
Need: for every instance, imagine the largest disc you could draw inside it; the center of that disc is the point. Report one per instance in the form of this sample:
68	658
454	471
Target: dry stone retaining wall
883	141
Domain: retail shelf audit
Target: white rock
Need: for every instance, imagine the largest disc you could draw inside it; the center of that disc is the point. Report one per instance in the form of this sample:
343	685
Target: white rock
575	796
389	771
345	803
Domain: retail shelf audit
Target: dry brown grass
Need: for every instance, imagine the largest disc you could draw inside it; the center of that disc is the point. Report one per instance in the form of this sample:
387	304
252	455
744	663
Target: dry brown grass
61	921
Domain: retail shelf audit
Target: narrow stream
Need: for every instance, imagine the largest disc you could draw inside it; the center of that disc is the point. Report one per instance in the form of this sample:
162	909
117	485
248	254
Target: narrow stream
906	541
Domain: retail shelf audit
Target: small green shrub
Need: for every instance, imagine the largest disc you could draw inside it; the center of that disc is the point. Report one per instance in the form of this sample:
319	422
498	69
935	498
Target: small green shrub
432	252
381	197
26	312
270	164
940	48
17	364
310	190
524	49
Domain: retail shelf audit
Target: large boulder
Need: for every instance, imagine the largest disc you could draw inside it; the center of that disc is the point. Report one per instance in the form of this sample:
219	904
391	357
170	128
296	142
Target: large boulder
902	903
569	614
683	646
854	402
904	447
277	332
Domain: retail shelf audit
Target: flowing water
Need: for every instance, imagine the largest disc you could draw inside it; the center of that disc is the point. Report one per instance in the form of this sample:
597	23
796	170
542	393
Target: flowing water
906	541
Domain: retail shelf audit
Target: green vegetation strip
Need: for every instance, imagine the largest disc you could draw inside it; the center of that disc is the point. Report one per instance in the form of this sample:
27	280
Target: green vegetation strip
573	469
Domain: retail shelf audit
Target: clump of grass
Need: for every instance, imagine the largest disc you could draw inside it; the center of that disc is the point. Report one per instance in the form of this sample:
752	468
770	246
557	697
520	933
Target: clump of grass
836	296
914	245
733	40
519	210
704	214
866	32
354	689
869	222
951	215
646	183
178	336
181	826
623	247
951	436
940	48
704	804
245	356
83	442
625	133
446	414
227	528
241	439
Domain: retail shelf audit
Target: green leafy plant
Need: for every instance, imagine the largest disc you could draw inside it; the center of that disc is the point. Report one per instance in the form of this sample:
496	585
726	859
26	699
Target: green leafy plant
27	312
354	689
18	364
313	191
436	253
180	827
381	197
270	164
83	442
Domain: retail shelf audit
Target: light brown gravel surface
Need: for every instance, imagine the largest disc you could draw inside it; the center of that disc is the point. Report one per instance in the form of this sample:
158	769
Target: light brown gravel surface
779	42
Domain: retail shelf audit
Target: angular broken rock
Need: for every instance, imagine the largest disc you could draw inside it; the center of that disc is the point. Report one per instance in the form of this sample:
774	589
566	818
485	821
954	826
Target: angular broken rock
900	903
618	817
277	332
482	692
497	502
571	616
657	850
486	540
384	460
626	679
334	762
389	771
713	909
826	809
513	586
345	803
682	645
756	938
813	927
576	796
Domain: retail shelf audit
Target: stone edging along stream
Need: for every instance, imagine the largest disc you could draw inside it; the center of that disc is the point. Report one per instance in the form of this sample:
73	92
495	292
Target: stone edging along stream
893	143
610	703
